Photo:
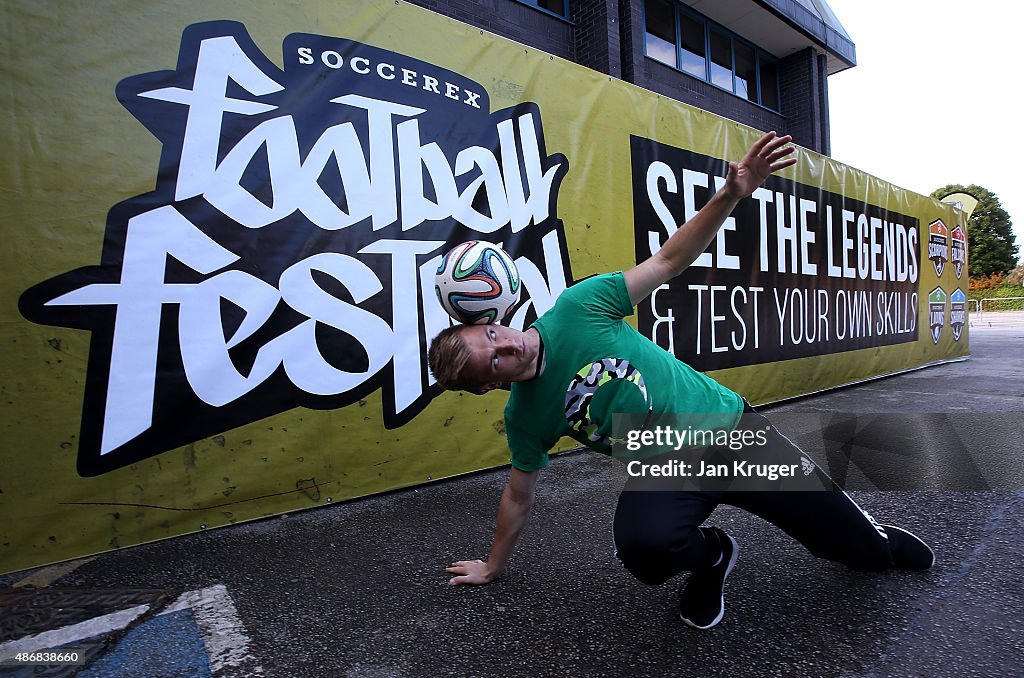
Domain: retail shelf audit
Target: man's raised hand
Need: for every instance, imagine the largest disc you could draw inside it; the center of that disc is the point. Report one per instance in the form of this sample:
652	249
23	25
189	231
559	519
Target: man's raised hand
767	155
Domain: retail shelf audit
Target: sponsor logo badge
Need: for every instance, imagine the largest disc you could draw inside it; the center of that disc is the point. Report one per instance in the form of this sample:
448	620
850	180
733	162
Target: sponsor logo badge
957	312
938	245
958	250
936	312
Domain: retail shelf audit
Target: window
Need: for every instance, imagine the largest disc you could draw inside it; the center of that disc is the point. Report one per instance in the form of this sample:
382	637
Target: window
661	31
681	38
556	7
721	60
769	83
691	43
746	71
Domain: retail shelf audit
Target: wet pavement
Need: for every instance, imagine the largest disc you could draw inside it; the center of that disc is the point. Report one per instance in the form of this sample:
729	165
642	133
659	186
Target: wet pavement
359	589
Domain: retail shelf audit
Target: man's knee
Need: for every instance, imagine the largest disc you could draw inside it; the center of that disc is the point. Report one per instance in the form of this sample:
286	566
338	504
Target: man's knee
654	556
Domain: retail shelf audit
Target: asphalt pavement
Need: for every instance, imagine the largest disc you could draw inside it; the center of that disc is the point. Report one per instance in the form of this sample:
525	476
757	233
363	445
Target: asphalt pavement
359	588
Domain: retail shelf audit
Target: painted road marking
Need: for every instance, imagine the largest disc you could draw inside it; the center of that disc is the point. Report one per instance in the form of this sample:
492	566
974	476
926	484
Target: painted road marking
49	640
205	619
223	633
47	575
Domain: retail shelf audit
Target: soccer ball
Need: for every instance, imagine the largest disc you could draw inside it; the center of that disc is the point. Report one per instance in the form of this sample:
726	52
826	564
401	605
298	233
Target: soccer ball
477	283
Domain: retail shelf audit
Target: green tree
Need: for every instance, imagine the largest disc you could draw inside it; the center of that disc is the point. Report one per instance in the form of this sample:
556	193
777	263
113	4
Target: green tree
990	239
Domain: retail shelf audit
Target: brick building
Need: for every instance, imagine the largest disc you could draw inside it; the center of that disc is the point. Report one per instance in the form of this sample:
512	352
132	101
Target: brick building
764	63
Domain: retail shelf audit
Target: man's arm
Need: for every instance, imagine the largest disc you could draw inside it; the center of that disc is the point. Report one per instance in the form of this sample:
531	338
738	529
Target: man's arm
513	512
764	157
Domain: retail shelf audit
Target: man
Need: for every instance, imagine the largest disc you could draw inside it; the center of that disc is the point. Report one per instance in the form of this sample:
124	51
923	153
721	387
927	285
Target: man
581	363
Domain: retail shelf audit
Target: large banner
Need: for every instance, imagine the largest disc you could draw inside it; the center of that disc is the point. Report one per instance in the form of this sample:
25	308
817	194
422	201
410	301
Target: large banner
222	224
811	273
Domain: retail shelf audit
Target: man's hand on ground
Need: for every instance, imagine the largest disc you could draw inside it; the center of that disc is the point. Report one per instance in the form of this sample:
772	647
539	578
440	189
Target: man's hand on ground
473	572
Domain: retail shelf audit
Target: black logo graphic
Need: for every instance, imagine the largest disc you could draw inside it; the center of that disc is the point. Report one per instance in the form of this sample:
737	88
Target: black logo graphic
286	255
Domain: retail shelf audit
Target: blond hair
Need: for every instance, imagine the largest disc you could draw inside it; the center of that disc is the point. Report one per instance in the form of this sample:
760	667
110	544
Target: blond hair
447	356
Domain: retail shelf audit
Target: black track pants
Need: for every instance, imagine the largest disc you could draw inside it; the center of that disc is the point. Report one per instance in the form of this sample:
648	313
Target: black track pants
658	533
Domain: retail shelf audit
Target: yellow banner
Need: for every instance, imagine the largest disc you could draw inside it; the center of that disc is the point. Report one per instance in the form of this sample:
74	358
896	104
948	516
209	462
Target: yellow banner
222	222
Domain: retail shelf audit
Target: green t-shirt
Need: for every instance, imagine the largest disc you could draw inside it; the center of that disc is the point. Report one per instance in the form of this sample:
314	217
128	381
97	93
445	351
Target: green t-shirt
597	365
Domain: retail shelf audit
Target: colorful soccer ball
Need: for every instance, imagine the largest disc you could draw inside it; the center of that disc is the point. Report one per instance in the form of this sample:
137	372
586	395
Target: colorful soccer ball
477	283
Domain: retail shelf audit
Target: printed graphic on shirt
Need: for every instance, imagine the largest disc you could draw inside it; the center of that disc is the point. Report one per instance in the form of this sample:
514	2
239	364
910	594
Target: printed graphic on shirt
584	387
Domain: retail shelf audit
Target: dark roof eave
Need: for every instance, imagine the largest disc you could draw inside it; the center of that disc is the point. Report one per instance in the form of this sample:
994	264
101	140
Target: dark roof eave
842	51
